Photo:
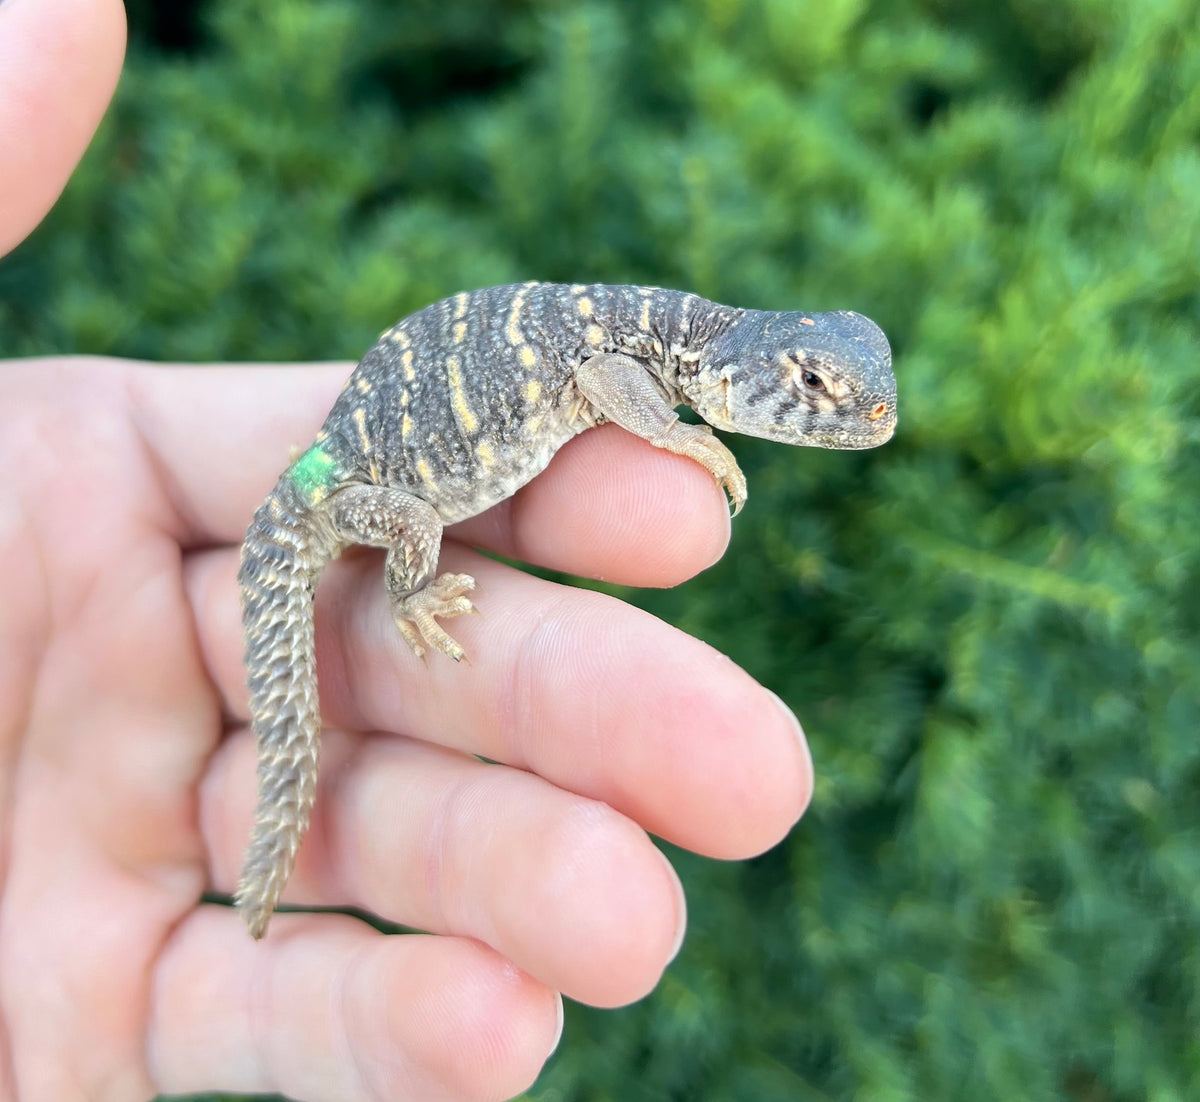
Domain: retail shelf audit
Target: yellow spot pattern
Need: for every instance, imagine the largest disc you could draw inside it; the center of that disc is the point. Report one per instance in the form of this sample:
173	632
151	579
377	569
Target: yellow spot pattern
533	390
426	473
585	306
595	335
464	413
360	419
486	455
527	356
407	361
459	331
513	330
406	426
401	338
362	386
460	304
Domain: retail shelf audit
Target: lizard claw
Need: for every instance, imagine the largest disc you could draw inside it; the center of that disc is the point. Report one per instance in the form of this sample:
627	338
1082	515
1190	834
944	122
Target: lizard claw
416	614
698	442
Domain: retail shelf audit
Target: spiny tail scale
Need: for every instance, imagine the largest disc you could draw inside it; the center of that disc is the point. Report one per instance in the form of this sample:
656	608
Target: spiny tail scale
285	550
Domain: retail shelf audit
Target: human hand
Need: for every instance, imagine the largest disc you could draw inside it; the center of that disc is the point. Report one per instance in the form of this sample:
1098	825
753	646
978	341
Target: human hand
127	769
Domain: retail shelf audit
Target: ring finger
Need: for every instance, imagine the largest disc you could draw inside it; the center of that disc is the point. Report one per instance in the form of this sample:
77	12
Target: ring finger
571	891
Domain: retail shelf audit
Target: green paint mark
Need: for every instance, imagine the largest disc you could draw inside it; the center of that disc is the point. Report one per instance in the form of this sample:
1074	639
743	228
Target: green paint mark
314	471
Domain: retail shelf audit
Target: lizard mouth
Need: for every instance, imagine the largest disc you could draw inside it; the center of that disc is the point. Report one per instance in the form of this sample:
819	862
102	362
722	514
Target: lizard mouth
871	436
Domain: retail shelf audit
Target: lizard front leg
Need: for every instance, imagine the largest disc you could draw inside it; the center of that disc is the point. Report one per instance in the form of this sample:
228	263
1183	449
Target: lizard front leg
411	531
623	390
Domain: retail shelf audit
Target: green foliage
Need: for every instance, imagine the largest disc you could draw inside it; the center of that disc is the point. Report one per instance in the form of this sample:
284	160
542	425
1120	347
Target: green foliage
990	627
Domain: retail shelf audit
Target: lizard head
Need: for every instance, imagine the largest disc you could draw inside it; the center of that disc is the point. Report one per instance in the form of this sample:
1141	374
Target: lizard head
824	380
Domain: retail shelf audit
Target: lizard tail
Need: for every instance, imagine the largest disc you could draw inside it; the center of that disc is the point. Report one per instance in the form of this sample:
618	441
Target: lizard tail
282	557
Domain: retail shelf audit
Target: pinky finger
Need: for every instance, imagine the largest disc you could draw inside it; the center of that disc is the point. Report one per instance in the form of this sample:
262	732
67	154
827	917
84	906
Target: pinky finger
329	1009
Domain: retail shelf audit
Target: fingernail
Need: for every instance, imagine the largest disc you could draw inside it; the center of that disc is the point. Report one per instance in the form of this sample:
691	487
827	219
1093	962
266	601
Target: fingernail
791	718
559	1030
680	908
802	739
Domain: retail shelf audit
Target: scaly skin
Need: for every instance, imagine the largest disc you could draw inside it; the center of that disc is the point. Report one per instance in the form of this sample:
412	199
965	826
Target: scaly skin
458	406
282	557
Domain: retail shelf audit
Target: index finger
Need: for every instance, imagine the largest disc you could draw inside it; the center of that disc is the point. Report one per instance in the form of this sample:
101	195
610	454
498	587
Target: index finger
609	506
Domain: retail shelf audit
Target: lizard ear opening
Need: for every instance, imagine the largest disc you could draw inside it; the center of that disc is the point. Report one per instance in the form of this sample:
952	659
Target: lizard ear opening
877	412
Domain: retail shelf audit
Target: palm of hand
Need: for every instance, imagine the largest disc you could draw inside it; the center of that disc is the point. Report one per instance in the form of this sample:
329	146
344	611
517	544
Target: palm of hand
109	721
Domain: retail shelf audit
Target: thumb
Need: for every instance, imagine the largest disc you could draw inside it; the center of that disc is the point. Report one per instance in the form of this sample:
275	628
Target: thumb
59	61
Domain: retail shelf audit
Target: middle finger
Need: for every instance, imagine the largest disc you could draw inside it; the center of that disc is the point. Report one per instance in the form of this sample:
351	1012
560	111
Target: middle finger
590	693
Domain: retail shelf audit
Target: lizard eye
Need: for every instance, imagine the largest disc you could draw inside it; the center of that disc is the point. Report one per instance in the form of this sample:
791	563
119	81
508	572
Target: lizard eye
812	380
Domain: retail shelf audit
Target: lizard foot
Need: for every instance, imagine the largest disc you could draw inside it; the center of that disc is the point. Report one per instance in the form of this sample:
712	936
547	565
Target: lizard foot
416	614
698	442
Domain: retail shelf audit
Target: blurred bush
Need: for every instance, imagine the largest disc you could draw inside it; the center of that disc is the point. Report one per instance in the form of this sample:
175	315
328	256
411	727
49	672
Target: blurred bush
991	627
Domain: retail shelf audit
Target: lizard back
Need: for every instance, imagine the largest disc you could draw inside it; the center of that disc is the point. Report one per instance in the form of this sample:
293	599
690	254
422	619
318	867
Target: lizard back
465	401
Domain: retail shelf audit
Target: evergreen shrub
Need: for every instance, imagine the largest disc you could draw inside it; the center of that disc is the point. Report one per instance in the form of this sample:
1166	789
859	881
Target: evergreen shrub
991	627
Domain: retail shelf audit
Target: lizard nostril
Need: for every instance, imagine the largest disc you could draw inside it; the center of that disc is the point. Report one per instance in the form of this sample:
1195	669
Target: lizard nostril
877	412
